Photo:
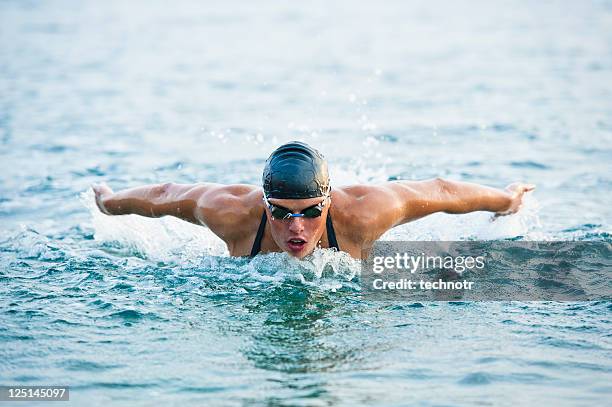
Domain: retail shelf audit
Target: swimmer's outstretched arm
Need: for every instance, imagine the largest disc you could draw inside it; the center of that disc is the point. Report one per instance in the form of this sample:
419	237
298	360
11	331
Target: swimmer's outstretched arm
223	208
154	201
382	207
421	198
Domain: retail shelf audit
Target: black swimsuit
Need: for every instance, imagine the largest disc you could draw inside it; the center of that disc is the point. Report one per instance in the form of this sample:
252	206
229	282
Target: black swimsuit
331	234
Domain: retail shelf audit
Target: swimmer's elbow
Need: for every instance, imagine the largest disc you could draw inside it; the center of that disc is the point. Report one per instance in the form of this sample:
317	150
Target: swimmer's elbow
445	187
162	191
449	197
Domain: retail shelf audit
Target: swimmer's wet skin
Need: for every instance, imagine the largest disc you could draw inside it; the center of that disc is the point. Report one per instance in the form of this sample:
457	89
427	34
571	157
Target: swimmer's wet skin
293	212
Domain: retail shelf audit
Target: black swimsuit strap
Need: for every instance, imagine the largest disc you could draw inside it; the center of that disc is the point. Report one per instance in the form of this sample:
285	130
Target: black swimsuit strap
260	232
331	234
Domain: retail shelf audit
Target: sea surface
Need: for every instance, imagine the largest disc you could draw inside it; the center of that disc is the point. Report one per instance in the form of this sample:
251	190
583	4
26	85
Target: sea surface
135	311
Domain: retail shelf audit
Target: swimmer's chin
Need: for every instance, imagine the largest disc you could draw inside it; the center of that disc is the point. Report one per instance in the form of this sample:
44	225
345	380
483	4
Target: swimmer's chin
301	254
307	254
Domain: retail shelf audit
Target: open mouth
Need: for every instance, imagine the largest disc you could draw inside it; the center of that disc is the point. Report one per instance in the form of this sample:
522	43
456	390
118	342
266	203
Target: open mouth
296	244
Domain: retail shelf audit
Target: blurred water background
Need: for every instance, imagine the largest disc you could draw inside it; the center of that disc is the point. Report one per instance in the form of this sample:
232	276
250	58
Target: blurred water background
137	311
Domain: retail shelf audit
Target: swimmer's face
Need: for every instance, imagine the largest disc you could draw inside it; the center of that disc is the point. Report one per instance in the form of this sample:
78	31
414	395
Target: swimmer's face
298	236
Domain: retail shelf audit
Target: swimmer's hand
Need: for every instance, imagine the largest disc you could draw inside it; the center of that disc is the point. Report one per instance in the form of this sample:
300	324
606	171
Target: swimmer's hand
516	190
102	192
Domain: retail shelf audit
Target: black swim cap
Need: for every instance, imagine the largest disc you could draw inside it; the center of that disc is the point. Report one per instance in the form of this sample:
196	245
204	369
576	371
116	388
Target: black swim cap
295	171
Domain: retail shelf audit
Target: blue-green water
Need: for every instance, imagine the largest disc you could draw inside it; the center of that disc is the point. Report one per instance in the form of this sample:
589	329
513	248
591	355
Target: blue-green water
139	311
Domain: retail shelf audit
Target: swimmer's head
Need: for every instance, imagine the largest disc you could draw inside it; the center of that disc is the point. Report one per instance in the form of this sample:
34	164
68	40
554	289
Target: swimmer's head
296	171
295	178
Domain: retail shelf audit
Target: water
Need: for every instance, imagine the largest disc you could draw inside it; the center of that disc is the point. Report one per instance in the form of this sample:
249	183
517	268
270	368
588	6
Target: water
133	311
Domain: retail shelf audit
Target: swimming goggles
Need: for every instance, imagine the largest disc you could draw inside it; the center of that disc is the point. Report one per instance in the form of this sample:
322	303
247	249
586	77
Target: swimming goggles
278	212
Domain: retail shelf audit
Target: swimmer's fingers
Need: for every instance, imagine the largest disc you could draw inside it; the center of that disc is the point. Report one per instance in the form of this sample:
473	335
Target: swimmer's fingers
529	187
500	214
517	190
526	188
520	188
101	191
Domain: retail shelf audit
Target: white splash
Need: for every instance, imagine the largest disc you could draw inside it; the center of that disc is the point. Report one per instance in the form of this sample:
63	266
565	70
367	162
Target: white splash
324	269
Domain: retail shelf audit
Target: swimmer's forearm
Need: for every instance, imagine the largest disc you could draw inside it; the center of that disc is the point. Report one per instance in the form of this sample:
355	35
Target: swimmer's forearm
143	200
423	198
464	197
152	201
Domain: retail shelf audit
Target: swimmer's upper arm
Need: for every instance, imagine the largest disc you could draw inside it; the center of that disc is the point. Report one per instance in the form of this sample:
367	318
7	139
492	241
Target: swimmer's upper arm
227	209
371	210
222	208
181	200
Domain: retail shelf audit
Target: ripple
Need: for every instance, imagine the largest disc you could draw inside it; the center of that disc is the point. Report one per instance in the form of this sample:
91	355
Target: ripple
569	365
130	315
65	322
569	344
416	305
100	304
203	389
87	366
115	385
17	337
476	379
123	287
386	137
529	164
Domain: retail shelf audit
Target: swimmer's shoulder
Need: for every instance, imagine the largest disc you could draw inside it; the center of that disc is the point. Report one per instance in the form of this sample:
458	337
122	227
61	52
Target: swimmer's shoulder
231	210
354	211
236	200
357	198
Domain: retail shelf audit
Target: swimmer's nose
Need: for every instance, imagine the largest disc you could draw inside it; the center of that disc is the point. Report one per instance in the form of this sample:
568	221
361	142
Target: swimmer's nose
296	225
